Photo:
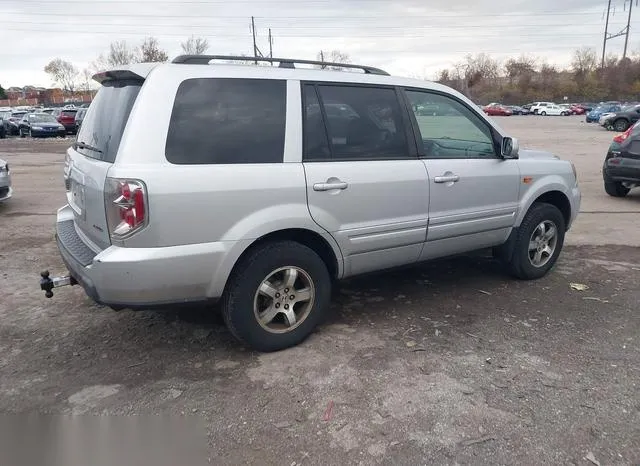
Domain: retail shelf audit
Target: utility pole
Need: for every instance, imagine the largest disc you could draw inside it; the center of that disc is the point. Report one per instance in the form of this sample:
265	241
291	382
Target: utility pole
626	37
606	31
255	47
322	59
624	32
270	46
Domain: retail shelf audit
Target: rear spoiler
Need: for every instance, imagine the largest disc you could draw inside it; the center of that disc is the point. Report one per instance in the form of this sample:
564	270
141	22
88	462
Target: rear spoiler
136	71
116	75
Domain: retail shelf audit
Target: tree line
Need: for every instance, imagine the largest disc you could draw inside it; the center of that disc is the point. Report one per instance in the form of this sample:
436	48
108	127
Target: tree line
71	79
484	79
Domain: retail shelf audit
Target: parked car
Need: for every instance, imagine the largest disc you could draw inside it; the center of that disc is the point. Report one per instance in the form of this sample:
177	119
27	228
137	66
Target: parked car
553	109
497	110
621	169
537	107
3	129
5	181
40	125
517	110
79	117
577	109
594	115
67	117
187	209
46	110
11	122
620	121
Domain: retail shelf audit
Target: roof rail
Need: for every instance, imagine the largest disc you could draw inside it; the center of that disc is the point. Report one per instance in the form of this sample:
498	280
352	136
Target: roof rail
283	62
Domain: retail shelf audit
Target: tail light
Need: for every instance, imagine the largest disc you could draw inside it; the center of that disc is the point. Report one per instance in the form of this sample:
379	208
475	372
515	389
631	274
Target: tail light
620	138
126	206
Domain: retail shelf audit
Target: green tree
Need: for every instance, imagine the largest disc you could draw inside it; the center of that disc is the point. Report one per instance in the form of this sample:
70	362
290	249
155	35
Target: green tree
3	94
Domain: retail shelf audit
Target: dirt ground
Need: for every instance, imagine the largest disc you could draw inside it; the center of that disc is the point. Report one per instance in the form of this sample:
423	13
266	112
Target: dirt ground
449	362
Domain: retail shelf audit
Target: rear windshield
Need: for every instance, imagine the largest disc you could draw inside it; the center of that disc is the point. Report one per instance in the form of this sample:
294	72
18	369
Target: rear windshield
70	113
106	118
42	118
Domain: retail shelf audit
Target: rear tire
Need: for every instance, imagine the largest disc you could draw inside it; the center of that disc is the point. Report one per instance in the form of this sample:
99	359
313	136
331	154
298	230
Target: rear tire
263	304
616	189
621	125
536	249
543	113
21	132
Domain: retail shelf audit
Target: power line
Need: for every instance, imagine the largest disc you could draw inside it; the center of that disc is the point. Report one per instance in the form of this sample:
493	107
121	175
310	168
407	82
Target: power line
384	17
310	36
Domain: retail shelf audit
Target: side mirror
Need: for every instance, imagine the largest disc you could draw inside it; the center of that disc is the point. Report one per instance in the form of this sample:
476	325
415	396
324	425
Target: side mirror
509	148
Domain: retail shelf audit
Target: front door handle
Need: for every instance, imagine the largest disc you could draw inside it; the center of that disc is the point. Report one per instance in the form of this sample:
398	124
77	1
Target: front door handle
329	185
448	178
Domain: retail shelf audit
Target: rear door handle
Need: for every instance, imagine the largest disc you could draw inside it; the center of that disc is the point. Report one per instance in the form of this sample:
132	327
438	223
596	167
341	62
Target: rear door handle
330	186
446	179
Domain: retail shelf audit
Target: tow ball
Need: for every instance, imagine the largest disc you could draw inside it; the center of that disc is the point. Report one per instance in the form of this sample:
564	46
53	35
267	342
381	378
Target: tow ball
47	284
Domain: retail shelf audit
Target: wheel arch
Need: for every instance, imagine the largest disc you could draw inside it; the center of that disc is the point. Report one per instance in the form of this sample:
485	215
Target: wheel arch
323	245
559	200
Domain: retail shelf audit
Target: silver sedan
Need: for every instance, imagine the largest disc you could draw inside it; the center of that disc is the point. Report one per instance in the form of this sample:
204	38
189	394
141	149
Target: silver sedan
5	181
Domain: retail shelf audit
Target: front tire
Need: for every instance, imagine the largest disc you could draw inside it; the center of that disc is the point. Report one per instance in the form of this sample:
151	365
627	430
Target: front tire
538	242
276	296
543	113
21	132
616	189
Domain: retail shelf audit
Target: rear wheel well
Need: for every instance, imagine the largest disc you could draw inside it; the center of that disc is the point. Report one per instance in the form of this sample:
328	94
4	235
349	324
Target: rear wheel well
560	200
308	238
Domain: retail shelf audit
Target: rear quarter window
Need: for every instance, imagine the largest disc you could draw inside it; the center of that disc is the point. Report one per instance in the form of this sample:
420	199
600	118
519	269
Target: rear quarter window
227	121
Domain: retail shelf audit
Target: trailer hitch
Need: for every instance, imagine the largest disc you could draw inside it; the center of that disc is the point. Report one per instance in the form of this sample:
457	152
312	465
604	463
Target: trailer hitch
47	284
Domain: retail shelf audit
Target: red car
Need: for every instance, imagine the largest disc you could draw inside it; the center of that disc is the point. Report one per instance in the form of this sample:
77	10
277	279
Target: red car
67	118
497	110
577	109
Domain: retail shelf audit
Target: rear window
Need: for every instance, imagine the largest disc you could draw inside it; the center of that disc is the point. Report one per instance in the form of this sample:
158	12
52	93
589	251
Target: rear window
69	113
227	121
106	118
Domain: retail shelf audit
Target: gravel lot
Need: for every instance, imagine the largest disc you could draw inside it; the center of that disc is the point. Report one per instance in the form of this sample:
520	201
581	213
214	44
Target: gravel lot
450	362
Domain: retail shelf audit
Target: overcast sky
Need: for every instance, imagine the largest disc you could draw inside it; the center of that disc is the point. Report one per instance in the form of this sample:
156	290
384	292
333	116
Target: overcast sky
405	37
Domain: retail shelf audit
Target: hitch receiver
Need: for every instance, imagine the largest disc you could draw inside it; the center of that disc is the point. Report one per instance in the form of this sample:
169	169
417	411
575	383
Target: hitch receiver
47	284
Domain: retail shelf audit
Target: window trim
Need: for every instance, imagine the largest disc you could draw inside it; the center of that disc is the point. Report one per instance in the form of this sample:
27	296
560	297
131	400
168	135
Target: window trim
495	137
411	149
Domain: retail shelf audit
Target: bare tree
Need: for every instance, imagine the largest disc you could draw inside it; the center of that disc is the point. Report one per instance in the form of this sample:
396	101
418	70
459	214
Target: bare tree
121	54
334	56
63	73
150	51
584	61
86	74
195	45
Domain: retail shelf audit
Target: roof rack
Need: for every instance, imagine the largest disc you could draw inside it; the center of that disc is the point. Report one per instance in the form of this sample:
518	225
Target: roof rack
282	62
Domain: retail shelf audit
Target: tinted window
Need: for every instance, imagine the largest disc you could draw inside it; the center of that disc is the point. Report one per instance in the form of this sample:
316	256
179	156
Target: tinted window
363	122
454	131
227	121
69	113
107	117
316	145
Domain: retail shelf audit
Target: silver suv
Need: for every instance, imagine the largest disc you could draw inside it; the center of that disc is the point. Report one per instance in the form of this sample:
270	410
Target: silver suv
260	186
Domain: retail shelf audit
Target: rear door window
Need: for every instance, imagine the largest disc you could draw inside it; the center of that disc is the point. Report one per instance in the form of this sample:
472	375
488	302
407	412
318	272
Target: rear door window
227	121
106	119
362	123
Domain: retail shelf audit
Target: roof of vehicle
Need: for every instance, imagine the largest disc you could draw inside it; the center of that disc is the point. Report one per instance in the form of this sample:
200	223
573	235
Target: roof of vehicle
187	70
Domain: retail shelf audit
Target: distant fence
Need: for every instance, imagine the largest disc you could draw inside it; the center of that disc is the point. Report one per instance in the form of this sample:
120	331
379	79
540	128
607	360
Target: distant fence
18	102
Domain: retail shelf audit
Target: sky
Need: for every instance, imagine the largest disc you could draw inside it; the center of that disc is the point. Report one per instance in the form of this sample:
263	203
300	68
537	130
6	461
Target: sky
405	37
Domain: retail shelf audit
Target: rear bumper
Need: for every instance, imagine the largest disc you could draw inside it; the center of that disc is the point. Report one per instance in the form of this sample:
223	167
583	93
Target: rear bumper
5	186
140	277
48	134
625	170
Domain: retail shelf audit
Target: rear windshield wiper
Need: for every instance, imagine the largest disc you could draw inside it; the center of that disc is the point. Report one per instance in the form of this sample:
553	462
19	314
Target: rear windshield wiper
84	145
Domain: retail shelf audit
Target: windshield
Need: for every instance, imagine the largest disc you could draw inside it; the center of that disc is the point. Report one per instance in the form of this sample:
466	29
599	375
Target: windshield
18	114
106	118
42	118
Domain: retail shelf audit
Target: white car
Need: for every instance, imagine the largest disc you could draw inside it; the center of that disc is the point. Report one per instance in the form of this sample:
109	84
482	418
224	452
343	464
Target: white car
553	109
538	107
604	118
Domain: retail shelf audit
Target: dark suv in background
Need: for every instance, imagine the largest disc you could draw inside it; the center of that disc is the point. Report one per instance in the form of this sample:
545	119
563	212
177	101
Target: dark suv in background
621	170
